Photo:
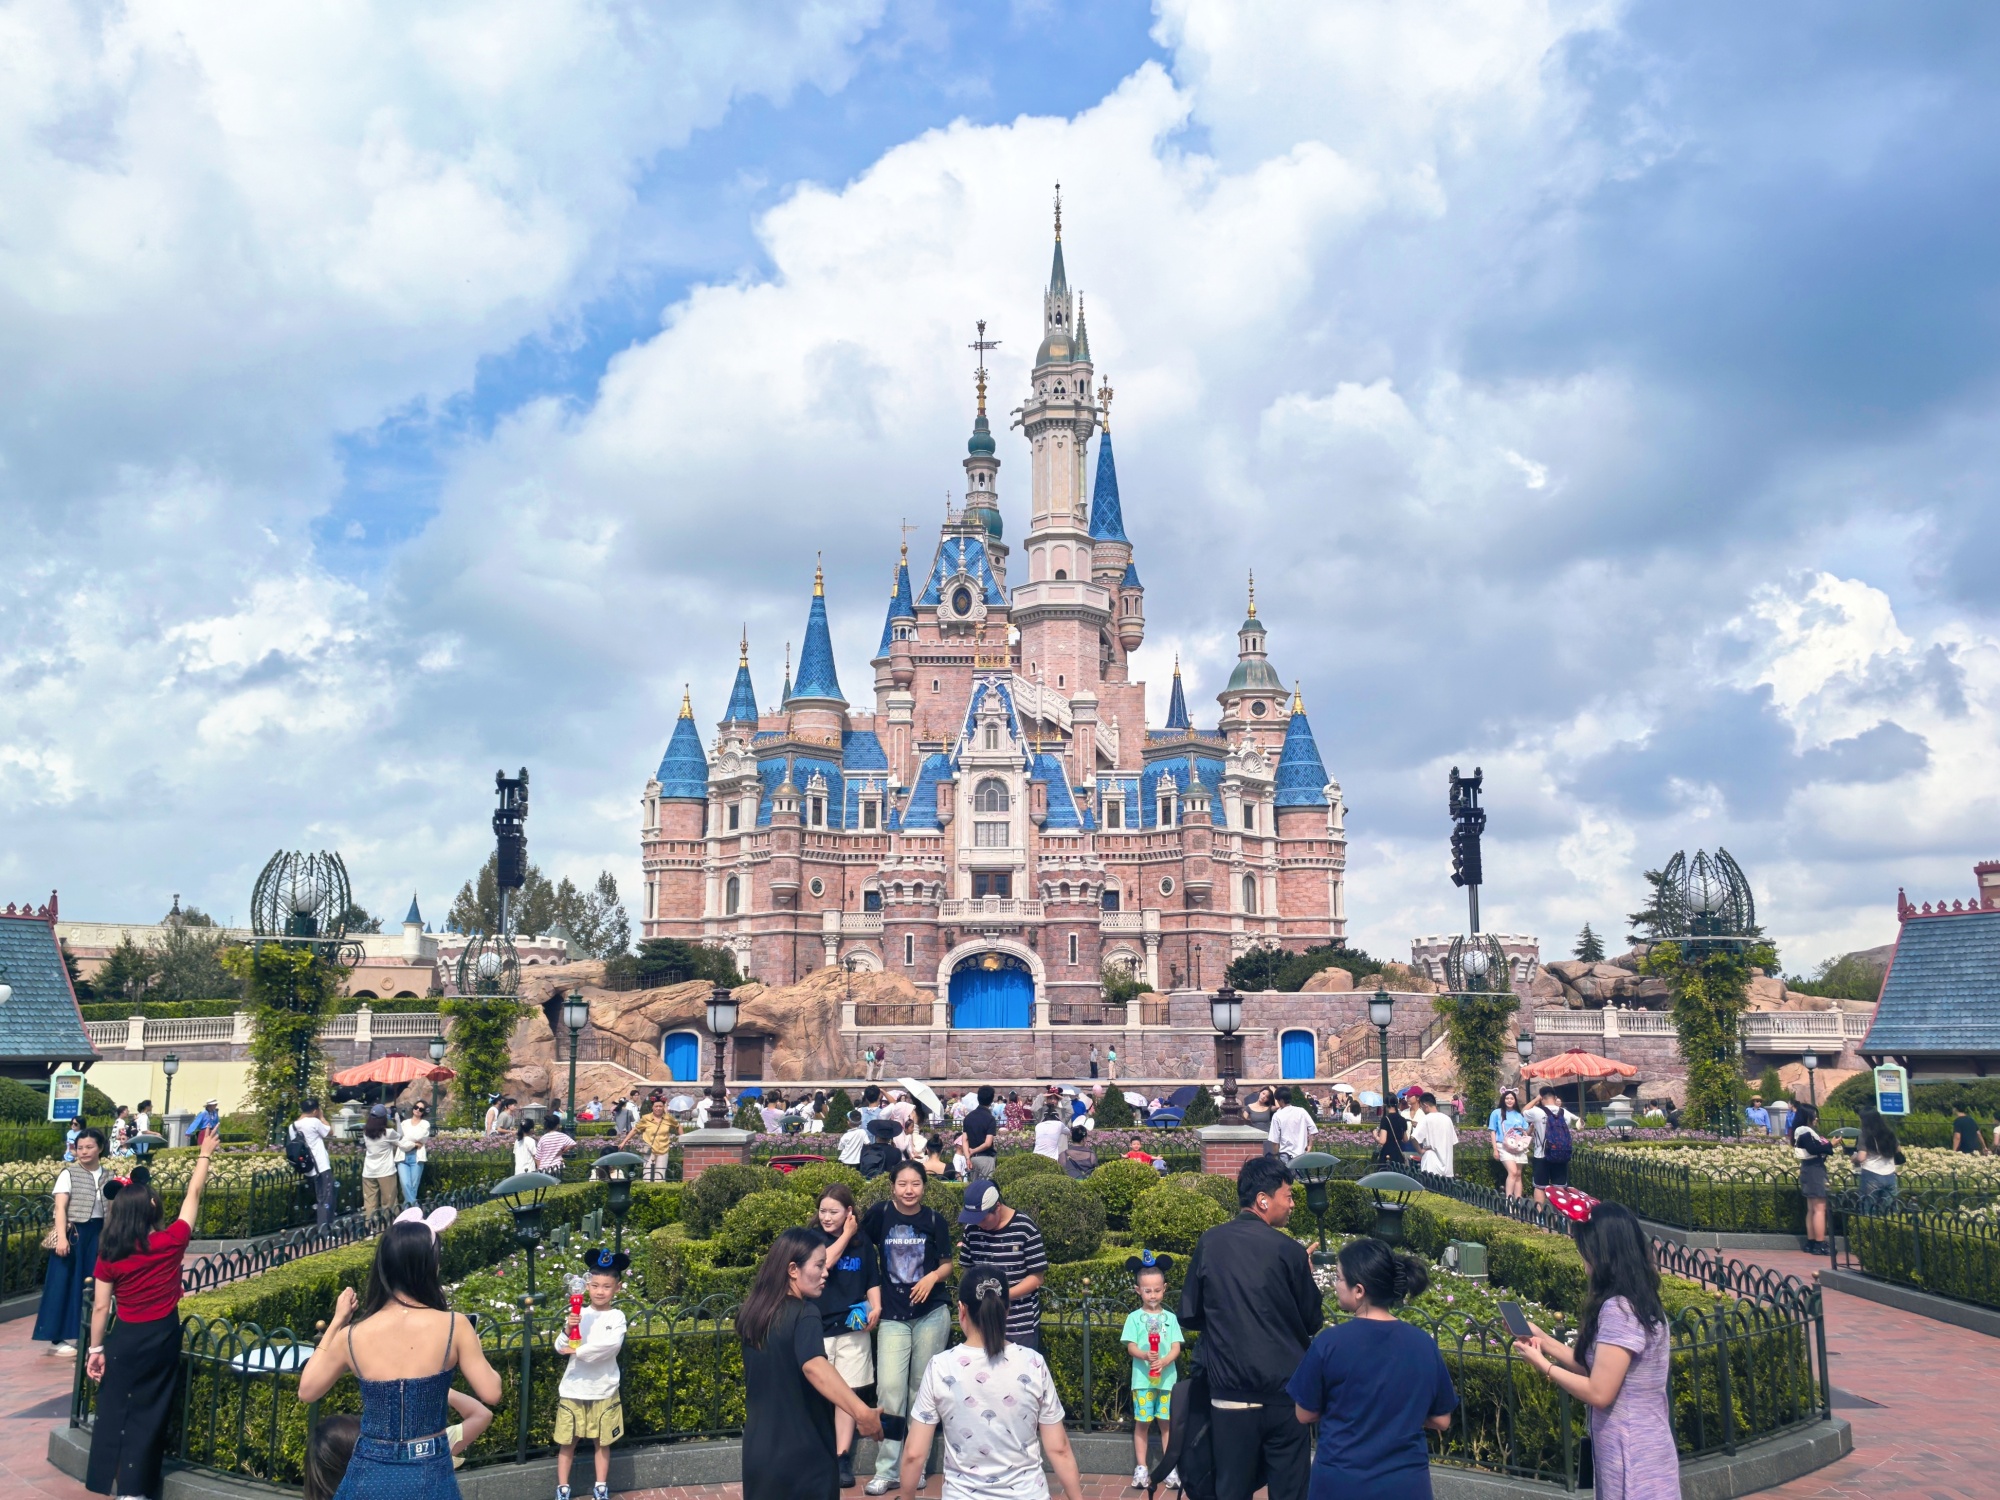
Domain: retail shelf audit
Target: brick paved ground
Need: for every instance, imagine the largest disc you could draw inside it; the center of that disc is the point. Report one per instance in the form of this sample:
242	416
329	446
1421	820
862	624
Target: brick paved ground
1931	1437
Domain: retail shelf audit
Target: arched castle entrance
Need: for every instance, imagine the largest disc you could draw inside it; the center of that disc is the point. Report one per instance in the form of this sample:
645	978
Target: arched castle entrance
991	985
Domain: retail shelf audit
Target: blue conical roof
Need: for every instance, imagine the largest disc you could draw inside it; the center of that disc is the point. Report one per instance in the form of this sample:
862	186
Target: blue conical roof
1302	775
1107	520
413	915
817	677
1177	714
900	607
683	773
742	696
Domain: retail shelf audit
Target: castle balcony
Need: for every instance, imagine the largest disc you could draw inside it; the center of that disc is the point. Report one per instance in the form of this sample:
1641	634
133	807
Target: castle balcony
990	911
857	922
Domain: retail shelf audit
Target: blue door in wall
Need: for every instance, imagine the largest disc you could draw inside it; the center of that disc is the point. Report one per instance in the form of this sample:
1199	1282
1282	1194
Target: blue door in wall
1297	1057
682	1050
984	998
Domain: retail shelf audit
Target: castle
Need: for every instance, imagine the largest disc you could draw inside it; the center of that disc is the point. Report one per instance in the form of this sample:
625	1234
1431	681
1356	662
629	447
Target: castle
1003	828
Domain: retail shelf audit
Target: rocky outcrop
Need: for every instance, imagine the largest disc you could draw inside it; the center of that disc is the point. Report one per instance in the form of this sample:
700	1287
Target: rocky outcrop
1592	986
1328	982
1400	978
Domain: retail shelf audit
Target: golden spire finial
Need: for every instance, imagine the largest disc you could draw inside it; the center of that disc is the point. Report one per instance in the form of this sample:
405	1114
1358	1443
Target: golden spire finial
1059	213
1104	403
1253	593
819	577
982	343
743	647
687	703
1298	702
1177	664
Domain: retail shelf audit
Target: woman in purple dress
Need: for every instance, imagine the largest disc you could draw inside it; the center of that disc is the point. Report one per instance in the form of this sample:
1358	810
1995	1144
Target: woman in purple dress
1619	1366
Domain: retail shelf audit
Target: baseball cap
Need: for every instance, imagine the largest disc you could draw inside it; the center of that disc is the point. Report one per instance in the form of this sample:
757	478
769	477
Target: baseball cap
981	1198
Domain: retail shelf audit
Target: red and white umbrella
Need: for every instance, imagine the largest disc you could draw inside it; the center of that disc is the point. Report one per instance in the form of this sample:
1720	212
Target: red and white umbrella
394	1069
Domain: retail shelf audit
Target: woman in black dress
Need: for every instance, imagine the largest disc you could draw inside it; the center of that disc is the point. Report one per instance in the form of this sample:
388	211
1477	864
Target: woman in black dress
790	1387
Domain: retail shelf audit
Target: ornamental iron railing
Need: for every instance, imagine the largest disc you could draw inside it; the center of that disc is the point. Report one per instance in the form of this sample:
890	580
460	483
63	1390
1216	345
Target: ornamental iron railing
1921	1241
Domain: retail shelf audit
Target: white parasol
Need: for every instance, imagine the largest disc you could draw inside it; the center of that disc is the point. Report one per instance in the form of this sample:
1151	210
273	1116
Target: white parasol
1137	1101
923	1091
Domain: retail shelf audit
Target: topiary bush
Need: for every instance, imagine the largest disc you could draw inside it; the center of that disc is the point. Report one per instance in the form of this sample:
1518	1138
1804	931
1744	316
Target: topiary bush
1201	1110
749	1115
815	1177
747	1229
838	1108
1118	1185
1220	1189
720	1189
1069	1215
1167	1217
1014	1166
1114	1111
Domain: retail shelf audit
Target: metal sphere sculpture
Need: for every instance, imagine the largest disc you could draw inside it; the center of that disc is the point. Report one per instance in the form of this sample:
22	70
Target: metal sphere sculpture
1477	965
301	896
489	965
1708	899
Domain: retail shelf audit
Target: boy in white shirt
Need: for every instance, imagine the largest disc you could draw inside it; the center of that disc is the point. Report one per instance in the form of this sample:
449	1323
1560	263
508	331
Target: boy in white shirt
1291	1127
587	1404
1435	1135
851	1142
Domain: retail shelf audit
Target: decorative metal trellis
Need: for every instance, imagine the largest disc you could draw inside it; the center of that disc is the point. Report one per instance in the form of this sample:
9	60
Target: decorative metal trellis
305	898
489	965
1477	965
1706	900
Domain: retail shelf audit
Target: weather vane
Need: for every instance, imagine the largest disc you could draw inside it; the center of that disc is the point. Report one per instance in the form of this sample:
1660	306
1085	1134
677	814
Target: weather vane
982	344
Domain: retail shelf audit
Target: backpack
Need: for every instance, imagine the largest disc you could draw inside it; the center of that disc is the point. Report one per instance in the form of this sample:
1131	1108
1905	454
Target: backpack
299	1153
1557	1143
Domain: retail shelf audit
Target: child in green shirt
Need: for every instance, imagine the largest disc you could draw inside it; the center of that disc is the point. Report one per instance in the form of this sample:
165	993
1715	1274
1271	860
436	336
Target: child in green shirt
1152	1336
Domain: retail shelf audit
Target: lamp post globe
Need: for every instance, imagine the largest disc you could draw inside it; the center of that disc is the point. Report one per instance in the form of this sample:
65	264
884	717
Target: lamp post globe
576	1015
1811	1060
1225	1010
438	1049
721	1022
1381	1011
169	1065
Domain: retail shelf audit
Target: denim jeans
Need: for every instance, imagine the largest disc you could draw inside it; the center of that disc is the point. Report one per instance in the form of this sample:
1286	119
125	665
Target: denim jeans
411	1173
901	1352
1877	1187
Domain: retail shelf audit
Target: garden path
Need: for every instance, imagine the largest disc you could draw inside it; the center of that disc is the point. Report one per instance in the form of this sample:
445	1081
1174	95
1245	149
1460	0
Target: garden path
34	1397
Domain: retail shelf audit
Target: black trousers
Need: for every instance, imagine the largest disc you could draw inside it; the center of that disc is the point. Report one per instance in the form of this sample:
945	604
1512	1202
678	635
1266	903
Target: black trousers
1268	1446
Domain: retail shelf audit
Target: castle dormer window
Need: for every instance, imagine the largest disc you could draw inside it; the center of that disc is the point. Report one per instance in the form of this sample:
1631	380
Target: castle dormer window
992	739
990	796
735	816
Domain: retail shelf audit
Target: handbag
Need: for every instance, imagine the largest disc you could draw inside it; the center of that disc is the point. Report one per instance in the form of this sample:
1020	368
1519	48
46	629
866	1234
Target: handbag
51	1239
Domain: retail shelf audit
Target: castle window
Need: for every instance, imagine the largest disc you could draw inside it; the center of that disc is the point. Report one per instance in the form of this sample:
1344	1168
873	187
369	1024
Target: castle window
1166	812
1062	572
817	887
871	900
868	815
989	835
1250	815
992	883
732	896
992	736
1072	949
1250	894
990	796
1059	676
1110	898
1114	812
936	685
909	950
735	816
818	806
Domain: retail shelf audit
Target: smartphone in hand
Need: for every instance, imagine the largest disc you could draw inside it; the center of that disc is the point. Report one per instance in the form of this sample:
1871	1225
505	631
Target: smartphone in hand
1516	1320
895	1428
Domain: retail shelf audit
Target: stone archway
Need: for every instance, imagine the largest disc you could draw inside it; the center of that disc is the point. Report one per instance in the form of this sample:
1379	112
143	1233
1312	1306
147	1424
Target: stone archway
977	948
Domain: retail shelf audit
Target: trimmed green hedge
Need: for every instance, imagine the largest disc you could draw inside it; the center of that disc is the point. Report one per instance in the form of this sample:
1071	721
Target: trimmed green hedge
1171	1217
720	1189
748	1229
1070	1216
1015	1165
1118	1185
1950	1254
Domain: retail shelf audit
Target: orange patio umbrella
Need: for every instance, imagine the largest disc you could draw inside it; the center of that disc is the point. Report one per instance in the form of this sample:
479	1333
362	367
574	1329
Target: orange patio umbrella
394	1069
1579	1065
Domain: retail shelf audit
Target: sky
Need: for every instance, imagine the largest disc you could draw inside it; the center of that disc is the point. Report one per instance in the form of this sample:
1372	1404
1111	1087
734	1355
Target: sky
1604	394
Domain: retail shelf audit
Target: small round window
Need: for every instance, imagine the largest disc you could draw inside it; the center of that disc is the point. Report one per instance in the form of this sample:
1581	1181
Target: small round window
1259	709
961	601
817	886
1166	885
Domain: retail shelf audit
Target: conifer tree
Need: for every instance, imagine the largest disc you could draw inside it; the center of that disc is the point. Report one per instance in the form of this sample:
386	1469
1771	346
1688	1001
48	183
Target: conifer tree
1589	946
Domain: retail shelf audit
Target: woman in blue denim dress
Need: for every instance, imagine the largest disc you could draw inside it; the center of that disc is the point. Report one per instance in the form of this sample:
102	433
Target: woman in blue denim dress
409	1347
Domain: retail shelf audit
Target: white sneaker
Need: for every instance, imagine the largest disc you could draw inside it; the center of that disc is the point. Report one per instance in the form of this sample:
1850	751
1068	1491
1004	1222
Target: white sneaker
881	1484
1140	1478
1174	1480
63	1350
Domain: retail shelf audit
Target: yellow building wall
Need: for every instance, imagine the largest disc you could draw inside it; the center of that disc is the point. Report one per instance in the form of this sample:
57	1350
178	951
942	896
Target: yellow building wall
129	1082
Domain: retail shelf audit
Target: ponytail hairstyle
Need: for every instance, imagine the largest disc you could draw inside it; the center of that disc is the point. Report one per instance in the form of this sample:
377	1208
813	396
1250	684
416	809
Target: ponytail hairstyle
982	1292
1615	1255
773	1284
1383	1276
132	1217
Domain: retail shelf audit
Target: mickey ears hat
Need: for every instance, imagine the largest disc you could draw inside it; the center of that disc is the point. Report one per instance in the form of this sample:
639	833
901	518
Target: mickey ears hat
607	1262
1572	1203
1146	1260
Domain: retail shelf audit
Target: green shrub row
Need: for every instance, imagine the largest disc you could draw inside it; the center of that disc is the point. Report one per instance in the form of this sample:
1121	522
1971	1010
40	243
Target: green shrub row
1950	1254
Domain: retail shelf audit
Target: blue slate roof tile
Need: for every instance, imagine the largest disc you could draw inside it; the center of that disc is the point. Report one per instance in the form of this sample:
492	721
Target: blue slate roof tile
683	773
920	813
1302	775
1063	814
1943	989
817	677
964	554
900	607
42	1022
1107	519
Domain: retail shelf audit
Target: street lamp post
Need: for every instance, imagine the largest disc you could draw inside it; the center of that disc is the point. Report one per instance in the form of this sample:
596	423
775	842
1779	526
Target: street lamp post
438	1049
1524	1048
1382	1010
524	1193
618	1167
721	1022
1225	1009
1811	1060
576	1016
169	1065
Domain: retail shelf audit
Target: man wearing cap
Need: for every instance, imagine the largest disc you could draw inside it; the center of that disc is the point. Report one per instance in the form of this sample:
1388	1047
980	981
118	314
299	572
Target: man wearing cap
1010	1243
210	1118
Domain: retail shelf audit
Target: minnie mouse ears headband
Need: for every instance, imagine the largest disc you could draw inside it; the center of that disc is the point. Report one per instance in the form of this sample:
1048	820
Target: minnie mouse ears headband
607	1262
113	1186
1572	1203
1146	1260
437	1221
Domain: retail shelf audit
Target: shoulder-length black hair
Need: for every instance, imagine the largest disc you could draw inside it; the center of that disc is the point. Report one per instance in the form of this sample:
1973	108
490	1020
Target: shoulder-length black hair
376	1126
130	1219
1614	1252
405	1269
1878	1136
1805	1114
774	1283
328	1453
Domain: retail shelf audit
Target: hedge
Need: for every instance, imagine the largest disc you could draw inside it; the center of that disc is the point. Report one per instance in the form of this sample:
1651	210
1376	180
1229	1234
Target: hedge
720	1189
1951	1254
748	1229
1170	1217
1013	1167
1118	1185
1070	1216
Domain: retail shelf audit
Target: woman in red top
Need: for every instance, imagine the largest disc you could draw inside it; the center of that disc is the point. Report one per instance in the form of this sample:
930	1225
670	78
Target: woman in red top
136	1366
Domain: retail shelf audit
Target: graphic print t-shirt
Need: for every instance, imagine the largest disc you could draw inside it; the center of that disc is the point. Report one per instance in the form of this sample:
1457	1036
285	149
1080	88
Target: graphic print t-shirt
911	1247
847	1282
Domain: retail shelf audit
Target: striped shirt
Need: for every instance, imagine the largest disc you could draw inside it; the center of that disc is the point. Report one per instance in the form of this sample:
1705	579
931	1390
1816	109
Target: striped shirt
1016	1249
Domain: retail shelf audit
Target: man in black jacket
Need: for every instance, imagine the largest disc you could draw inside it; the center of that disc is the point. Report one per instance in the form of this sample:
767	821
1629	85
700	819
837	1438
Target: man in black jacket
1250	1292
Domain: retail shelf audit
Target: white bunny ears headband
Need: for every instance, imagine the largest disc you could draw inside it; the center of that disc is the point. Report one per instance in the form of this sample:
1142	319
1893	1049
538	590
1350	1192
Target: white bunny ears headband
437	1221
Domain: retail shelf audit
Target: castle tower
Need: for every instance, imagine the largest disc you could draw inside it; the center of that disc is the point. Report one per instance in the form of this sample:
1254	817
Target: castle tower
815	708
1312	835
676	823
982	469
1177	713
741	715
1061	608
1253	702
895	670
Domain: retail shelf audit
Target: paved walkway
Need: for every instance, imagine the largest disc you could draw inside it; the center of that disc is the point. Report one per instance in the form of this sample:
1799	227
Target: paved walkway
1929	1434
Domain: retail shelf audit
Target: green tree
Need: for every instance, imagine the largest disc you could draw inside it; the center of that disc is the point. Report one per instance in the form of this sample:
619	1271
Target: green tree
84	990
1121	986
186	916
128	971
357	918
664	961
1589	946
482	1026
1710	992
1477	1024
188	964
1267	967
1656	919
1114	1111
290	989
1848	977
595	919
1201	1110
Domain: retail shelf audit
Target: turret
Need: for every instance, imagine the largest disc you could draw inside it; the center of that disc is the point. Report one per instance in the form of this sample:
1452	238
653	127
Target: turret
899	631
1177	710
683	779
741	715
413	930
982	468
1306	800
1253	701
816	708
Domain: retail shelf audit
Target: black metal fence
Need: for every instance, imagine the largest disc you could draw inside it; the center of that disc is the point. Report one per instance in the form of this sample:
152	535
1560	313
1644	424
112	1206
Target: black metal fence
1937	1247
22	1258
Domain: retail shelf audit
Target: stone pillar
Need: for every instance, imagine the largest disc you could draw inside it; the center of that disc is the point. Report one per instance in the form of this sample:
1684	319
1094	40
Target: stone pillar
702	1149
135	1034
1224	1148
241	1036
364	1028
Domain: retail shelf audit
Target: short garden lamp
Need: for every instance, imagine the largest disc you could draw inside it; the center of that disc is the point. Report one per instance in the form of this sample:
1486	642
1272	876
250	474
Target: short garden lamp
721	1022
1524	1047
618	1167
1811	1060
1225	1010
1315	1169
1393	1192
524	1192
1381	1011
169	1065
438	1048
1618	1115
